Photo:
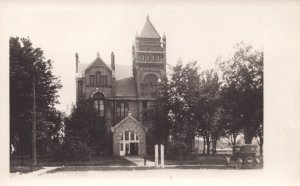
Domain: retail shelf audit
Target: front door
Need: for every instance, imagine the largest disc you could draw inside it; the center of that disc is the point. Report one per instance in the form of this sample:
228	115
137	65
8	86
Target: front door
127	149
134	149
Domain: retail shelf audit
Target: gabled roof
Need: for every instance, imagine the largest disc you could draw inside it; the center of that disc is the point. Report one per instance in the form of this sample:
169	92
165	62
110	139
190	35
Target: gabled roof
149	31
99	61
129	117
125	87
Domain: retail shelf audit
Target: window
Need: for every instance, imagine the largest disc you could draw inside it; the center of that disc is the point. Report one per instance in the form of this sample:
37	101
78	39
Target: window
92	80
150	85
98	78
143	57
122	109
153	58
99	104
104	80
144	108
157	58
131	136
127	135
148	58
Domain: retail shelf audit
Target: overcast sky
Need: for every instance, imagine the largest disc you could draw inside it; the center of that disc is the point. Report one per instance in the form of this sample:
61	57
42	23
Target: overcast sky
198	32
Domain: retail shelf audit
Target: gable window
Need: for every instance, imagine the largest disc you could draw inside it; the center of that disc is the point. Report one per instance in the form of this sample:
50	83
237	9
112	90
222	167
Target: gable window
98	78
122	109
99	104
92	80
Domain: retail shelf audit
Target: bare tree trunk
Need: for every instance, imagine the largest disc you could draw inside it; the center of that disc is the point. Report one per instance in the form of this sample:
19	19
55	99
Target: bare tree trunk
204	145
208	145
34	127
22	153
233	140
261	146
214	146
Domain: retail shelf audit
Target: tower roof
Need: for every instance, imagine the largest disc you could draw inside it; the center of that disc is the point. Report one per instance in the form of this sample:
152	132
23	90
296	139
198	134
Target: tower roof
149	31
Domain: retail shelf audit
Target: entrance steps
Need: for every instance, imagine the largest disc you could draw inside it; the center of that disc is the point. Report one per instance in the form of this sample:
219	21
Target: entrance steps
140	161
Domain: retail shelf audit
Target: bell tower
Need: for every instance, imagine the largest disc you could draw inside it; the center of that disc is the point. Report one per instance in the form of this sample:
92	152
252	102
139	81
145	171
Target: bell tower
149	59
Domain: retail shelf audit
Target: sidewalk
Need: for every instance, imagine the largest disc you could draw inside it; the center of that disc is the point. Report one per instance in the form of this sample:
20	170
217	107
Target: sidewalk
139	161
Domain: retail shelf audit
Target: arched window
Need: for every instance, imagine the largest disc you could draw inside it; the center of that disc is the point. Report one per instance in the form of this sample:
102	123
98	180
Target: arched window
150	85
122	109
98	78
129	143
150	78
99	104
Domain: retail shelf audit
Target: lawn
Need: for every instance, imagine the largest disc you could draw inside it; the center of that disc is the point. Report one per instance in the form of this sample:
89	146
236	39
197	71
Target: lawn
43	161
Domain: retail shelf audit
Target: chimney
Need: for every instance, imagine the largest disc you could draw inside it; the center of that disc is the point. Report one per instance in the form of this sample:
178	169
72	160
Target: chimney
77	62
112	60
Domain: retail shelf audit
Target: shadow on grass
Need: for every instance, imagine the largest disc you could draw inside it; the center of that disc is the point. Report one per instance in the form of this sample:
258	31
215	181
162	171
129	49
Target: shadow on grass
94	161
24	169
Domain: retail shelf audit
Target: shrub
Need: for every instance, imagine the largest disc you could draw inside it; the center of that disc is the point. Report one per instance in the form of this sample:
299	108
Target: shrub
73	149
176	150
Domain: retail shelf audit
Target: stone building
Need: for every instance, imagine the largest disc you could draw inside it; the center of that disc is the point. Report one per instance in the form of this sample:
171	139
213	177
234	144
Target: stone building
123	104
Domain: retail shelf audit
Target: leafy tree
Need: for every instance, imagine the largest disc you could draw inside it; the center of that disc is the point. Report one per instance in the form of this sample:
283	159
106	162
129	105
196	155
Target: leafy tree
27	63
84	128
183	85
207	108
159	114
242	90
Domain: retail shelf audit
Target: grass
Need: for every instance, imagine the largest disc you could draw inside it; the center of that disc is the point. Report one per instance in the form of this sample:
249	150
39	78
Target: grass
24	169
104	163
94	161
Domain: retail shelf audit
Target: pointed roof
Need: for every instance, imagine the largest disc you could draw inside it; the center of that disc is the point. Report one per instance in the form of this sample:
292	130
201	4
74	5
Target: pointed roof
149	31
129	117
98	60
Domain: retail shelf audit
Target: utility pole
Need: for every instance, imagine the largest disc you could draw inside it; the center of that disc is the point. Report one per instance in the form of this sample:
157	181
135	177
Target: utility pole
34	125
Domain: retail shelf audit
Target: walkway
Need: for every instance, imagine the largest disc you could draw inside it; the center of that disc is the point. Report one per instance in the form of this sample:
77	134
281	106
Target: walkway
139	161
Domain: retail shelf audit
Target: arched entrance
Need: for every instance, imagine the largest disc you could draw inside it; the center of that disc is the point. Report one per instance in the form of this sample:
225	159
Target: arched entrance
129	137
129	143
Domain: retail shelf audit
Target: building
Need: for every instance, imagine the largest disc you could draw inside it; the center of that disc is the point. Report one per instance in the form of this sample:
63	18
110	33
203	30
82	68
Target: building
124	104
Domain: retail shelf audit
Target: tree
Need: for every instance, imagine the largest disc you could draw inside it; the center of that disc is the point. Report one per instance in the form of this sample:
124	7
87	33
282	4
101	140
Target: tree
27	63
83	128
159	115
183	88
207	108
242	90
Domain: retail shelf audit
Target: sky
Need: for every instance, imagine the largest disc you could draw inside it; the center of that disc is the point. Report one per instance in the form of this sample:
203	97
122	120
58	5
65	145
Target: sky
195	32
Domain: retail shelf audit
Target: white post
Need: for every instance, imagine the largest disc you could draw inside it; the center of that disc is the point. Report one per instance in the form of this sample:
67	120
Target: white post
162	155
156	155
